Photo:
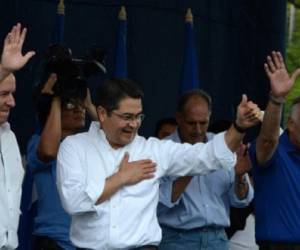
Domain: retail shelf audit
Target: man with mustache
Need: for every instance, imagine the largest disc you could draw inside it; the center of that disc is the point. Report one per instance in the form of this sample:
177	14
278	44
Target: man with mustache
194	210
108	178
11	169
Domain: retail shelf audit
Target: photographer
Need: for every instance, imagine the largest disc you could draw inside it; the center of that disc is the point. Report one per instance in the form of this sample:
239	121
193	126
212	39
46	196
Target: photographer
61	105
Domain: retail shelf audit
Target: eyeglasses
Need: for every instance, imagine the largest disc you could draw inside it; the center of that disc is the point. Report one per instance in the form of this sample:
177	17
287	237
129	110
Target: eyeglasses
70	105
127	117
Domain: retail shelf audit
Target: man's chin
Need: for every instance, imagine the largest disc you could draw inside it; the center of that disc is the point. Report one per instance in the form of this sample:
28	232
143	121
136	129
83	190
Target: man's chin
3	118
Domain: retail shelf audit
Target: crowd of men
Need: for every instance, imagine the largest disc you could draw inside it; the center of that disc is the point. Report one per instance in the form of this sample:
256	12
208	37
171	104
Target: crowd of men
110	188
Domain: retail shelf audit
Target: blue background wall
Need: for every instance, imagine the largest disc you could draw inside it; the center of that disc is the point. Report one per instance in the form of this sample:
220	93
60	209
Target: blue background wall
232	38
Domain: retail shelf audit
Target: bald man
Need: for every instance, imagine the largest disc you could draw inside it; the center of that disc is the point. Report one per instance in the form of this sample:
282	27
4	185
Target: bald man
11	169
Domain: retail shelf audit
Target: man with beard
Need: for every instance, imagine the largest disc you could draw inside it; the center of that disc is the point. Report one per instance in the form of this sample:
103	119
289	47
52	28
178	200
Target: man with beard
108	178
11	169
194	210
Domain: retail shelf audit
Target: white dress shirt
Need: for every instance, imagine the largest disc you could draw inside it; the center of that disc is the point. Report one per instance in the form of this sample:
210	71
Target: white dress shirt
11	177
128	219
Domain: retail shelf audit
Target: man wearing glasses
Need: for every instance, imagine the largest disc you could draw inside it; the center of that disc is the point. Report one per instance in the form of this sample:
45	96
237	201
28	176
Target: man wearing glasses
108	178
59	116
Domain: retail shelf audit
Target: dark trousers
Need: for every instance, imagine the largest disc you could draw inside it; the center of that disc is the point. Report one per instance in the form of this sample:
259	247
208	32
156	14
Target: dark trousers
45	243
278	246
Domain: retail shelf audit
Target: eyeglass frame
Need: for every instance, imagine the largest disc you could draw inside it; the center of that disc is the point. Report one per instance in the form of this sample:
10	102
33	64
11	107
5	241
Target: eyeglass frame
128	117
73	104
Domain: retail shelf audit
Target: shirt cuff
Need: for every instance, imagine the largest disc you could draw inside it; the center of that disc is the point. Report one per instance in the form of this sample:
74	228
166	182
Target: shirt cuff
94	190
166	194
223	153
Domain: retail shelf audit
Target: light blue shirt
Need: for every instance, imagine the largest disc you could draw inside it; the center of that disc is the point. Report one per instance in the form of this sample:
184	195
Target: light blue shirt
205	202
51	219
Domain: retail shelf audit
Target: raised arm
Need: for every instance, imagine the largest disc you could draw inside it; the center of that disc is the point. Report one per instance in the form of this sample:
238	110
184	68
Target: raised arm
280	84
90	107
12	58
248	114
52	132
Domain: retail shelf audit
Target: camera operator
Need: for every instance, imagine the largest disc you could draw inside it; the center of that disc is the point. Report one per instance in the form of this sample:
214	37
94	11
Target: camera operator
61	106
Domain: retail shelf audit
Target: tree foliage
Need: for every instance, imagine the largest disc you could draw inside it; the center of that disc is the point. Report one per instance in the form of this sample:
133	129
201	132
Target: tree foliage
293	52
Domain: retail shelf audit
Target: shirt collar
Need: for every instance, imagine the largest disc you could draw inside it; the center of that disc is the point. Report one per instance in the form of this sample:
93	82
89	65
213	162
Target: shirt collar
4	128
176	137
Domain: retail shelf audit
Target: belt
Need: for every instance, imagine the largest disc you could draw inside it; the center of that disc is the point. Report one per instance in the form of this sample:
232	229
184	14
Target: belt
146	247
196	229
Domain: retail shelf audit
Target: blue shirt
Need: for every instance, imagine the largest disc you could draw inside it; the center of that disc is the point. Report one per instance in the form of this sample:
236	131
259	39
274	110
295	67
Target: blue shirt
277	193
51	219
205	201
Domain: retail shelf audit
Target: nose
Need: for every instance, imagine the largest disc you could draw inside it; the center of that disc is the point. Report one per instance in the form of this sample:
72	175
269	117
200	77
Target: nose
134	123
198	128
10	101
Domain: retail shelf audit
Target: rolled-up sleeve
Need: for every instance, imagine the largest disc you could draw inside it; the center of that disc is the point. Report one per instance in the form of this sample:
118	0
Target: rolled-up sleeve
165	192
77	194
34	163
235	201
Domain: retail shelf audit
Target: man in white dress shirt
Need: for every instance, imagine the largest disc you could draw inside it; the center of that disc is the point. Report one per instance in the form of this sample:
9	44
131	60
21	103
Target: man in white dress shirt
108	177
11	169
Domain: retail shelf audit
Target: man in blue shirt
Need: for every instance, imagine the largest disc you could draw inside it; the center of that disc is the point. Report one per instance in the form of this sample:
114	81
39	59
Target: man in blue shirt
193	211
276	166
65	116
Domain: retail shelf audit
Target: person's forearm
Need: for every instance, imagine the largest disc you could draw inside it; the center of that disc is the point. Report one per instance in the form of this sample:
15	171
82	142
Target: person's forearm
269	132
179	186
91	109
51	134
3	73
233	138
241	187
112	185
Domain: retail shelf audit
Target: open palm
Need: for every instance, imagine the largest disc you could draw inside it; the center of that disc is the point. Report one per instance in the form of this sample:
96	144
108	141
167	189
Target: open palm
12	58
281	82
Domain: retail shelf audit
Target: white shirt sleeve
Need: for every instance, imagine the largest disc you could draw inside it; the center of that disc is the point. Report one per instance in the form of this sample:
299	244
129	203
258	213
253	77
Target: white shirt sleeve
77	195
186	159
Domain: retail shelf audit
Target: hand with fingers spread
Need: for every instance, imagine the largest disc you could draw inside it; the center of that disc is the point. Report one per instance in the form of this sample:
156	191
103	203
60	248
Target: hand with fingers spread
12	58
281	82
248	114
136	171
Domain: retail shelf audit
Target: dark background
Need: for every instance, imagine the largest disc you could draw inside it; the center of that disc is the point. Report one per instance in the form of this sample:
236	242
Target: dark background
232	38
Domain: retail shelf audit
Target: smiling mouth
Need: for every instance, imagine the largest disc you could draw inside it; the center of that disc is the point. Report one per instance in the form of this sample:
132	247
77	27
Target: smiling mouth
6	112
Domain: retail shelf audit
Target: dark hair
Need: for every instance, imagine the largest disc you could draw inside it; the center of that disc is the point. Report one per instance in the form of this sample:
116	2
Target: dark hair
191	94
162	122
111	92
